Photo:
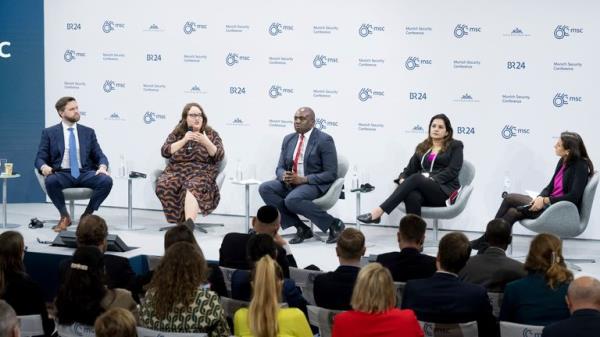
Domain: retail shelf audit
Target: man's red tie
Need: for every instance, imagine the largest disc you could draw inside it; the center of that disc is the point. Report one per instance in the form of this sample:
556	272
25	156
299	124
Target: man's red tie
297	156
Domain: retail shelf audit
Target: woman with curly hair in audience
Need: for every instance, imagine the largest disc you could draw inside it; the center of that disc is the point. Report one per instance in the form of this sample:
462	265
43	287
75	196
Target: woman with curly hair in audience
539	298
265	317
374	311
179	299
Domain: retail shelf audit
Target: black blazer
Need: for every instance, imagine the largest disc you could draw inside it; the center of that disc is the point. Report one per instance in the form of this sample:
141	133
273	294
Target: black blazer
118	272
446	167
333	290
443	298
232	253
575	179
582	323
408	264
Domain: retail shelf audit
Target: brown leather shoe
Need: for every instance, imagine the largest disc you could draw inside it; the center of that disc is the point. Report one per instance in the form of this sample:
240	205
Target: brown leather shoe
63	223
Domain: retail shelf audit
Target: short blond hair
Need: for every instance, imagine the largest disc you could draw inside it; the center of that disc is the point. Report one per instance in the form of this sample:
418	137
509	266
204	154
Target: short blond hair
374	290
116	322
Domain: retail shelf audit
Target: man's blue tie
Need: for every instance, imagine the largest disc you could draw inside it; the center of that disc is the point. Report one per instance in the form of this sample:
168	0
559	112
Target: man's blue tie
73	154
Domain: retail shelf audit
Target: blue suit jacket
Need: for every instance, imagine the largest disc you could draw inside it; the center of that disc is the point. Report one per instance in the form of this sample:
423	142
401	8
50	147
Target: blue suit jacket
320	159
52	148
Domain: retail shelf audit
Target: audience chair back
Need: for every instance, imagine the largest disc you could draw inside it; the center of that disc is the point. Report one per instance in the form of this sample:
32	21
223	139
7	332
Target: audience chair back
449	329
399	291
227	274
322	318
496	302
145	332
31	325
71	194
509	329
75	330
305	279
230	306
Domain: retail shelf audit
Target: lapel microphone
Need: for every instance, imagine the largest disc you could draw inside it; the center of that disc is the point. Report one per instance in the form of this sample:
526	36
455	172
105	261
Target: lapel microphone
189	147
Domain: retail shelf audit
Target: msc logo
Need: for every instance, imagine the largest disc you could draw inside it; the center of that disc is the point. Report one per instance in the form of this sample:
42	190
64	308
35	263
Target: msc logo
109	86
70	55
153	57
151	117
366	94
234	58
510	131
561	99
3	53
366	29
322	123
74	26
562	31
465	130
81	330
276	91
108	26
518	65
190	26
463	30
413	62
529	333
321	60
417	96
277	28
237	90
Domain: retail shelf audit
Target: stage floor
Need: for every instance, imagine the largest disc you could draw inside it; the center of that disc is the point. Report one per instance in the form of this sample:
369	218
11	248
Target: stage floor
150	239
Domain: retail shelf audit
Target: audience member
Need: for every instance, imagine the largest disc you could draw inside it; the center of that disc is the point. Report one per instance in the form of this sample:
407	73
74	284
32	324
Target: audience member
409	263
583	299
539	298
16	287
492	268
9	323
178	298
333	290
83	295
373	309
265	317
443	298
116	322
232	253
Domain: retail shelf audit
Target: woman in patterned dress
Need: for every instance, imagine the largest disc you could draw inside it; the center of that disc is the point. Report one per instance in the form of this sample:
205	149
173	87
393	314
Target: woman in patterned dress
188	184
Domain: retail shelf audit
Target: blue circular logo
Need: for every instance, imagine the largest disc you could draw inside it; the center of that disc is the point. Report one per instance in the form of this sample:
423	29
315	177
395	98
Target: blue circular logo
411	63
460	31
319	61
508	132
275	29
108	86
188	28
364	30
149	117
561	32
69	55
107	27
275	92
560	100
365	94
231	59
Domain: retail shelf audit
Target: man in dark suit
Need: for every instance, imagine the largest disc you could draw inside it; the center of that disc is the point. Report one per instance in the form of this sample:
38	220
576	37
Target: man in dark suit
443	298
492	269
583	299
409	263
307	167
233	252
333	290
69	156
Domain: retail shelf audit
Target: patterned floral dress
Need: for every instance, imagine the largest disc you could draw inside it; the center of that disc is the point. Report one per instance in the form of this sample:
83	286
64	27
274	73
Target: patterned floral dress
189	169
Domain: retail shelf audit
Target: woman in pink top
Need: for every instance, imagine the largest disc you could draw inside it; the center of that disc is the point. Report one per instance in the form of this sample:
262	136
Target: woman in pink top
374	311
567	184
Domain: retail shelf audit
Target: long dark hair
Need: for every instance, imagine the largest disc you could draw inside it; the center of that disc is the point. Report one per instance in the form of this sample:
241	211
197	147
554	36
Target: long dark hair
428	142
182	127
84	287
572	142
11	256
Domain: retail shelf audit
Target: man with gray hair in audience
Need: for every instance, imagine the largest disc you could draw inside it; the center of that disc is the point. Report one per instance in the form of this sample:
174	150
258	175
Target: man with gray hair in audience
9	324
583	299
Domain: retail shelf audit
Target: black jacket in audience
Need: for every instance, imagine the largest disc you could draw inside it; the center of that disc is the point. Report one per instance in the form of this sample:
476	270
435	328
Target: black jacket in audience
582	322
118	272
408	264
333	290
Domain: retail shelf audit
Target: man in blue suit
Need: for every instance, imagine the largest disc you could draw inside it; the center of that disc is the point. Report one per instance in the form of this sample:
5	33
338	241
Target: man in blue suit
307	167
69	156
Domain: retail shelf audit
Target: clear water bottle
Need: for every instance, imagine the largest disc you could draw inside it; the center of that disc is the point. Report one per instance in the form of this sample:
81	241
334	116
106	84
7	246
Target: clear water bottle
239	175
355	182
122	167
506	186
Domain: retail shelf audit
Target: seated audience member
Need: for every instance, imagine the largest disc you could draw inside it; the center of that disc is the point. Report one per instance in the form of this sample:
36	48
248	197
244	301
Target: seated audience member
265	317
539	298
9	323
83	295
232	253
184	234
443	298
115	322
16	287
178	298
260	245
373	309
409	263
492	268
93	231
583	299
333	290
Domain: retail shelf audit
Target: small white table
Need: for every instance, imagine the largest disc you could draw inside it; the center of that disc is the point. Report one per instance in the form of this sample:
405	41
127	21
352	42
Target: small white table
247	183
5	178
130	226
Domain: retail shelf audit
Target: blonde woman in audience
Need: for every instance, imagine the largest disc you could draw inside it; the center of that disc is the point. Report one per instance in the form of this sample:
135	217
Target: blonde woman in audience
374	311
264	317
179	299
116	322
539	298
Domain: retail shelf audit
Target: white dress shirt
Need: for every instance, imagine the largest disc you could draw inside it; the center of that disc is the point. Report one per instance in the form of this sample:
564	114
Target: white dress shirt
302	151
65	162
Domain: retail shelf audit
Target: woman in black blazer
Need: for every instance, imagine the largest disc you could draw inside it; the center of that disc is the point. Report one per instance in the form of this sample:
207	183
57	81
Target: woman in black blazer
431	176
567	184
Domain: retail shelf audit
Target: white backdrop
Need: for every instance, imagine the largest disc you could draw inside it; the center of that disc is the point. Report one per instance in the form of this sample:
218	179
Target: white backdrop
497	67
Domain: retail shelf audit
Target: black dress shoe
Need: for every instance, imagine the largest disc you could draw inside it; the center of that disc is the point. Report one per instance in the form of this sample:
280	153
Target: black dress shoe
366	218
335	230
302	232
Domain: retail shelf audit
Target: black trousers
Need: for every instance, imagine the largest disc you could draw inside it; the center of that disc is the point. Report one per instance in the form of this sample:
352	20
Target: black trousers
415	191
508	211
